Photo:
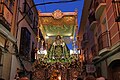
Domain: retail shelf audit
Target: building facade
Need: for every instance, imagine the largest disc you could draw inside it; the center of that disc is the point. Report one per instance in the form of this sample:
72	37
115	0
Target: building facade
100	37
18	31
7	39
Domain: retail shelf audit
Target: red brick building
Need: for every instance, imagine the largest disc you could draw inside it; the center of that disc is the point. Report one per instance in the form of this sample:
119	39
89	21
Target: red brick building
100	36
17	37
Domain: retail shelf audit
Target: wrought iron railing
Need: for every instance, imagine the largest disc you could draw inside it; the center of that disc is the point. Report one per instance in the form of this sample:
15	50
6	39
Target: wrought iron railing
103	40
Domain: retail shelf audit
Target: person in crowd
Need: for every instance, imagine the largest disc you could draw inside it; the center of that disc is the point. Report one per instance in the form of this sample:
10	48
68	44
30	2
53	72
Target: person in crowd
90	77
2	79
100	78
79	78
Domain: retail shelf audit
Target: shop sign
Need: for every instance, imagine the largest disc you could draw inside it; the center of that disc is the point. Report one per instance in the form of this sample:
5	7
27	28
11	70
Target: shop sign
90	68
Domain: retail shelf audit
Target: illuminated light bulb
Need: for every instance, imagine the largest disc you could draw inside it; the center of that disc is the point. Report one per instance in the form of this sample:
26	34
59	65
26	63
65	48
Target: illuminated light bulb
71	37
46	37
59	77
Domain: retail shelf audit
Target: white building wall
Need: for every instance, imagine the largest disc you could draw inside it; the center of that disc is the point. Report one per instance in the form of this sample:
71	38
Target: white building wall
14	65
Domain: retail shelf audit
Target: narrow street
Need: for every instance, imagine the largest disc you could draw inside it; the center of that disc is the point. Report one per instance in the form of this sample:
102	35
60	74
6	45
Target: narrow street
59	39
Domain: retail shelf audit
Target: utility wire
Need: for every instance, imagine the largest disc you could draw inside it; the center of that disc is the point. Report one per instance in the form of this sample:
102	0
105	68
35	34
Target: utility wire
44	4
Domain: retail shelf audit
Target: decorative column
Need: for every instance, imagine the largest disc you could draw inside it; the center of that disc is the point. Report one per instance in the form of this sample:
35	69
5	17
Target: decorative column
42	41
74	49
38	40
15	18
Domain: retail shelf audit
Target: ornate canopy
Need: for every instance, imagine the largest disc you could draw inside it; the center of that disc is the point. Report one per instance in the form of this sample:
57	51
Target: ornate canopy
58	23
58	63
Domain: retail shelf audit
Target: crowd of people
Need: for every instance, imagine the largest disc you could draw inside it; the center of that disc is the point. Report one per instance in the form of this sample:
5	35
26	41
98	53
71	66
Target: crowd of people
85	78
91	78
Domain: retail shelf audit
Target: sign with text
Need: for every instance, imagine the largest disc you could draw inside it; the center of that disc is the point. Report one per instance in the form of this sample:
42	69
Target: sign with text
90	68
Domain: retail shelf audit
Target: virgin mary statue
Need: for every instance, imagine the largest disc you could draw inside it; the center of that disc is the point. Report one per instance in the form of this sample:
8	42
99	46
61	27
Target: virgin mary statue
58	48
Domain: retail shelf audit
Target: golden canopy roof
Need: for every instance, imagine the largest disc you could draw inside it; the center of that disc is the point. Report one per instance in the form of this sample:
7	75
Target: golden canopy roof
58	23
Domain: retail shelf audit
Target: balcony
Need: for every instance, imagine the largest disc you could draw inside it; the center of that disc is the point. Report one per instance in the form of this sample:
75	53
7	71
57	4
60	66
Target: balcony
116	8
103	43
92	20
95	58
101	4
6	14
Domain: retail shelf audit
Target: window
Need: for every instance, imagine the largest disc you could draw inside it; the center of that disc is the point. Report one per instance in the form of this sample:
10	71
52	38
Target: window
103	40
93	50
33	53
92	16
0	55
85	37
25	42
0	6
35	23
28	10
9	4
116	8
6	1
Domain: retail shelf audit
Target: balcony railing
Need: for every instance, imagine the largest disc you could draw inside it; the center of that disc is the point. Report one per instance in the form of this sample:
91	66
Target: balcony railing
99	6
103	41
116	8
